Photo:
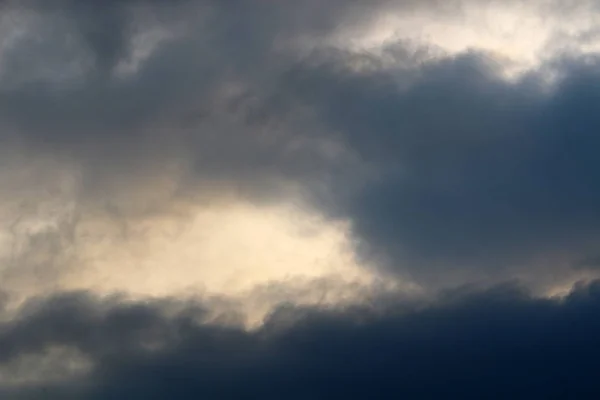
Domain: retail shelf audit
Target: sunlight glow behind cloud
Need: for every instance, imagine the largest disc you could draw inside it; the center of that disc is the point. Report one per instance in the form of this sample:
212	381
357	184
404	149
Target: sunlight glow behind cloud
518	35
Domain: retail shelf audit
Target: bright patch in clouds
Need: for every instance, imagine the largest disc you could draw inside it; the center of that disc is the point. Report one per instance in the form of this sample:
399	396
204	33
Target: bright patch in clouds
519	35
221	250
255	256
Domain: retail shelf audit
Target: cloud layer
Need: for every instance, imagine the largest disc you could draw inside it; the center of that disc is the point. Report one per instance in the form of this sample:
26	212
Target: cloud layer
355	160
498	344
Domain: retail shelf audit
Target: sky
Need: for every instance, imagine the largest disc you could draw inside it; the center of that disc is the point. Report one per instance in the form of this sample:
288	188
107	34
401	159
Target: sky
299	200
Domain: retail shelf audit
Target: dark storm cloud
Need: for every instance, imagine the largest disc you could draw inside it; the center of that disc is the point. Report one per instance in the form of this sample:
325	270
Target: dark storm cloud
471	170
498	343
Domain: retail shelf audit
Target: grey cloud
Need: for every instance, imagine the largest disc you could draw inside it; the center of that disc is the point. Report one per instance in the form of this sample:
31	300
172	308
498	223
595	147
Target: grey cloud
445	170
190	103
587	263
497	343
470	170
240	42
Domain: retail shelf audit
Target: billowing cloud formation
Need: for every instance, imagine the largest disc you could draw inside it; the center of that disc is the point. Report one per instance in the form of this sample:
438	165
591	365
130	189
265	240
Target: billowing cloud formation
242	154
472	170
499	344
437	159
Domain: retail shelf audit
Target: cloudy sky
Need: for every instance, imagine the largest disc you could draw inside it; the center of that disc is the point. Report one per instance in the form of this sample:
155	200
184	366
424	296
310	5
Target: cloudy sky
298	200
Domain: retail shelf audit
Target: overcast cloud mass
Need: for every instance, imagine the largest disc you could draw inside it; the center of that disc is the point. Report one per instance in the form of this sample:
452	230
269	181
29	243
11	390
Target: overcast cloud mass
261	199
